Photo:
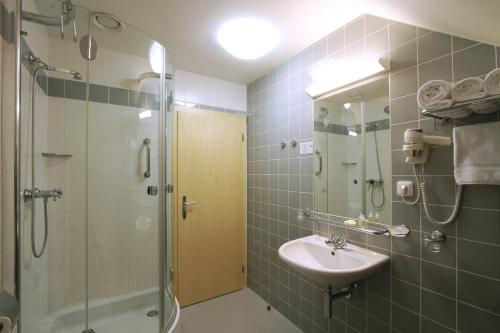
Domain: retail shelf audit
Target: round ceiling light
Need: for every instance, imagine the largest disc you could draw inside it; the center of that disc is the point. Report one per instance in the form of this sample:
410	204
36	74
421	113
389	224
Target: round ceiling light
248	38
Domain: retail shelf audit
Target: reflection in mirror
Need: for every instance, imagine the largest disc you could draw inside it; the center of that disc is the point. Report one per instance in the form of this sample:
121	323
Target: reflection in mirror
352	151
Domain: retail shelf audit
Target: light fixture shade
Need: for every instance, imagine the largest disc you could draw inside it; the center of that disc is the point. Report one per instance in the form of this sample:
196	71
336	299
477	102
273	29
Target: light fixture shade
248	38
337	73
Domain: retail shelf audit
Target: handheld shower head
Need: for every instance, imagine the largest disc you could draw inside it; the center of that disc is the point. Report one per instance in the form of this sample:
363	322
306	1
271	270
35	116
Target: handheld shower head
35	60
76	75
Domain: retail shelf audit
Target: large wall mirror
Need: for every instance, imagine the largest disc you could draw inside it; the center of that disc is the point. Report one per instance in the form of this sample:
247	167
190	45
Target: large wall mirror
352	152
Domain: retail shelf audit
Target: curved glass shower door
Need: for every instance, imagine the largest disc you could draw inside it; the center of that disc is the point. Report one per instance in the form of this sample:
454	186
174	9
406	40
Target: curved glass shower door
101	159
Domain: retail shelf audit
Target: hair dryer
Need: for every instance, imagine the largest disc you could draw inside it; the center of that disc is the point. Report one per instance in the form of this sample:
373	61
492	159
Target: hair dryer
416	145
416	148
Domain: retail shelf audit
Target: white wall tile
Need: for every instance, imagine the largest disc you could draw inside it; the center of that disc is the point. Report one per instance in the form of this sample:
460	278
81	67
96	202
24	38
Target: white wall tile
191	87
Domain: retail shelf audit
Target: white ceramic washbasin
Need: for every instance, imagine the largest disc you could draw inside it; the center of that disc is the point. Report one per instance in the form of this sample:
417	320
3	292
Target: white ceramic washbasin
312	257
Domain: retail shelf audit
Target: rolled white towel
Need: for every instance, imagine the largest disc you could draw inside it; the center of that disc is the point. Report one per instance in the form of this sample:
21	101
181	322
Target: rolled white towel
492	82
468	89
435	94
483	107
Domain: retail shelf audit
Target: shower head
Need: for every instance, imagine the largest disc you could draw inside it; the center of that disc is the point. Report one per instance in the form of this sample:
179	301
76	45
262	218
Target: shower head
387	109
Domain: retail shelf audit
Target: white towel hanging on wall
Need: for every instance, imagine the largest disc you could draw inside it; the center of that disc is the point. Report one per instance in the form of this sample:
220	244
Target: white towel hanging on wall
477	154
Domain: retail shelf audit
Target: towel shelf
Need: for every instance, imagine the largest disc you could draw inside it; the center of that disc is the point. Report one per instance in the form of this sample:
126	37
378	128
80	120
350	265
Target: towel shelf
53	155
491	104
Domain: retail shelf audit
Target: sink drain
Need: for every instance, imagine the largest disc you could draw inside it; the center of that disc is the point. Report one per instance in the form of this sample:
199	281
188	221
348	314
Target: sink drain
152	313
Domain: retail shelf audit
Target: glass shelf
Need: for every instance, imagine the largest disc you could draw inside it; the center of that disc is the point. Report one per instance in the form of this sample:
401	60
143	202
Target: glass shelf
464	109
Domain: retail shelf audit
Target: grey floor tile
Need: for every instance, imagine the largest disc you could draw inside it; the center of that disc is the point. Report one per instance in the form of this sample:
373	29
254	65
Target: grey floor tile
243	309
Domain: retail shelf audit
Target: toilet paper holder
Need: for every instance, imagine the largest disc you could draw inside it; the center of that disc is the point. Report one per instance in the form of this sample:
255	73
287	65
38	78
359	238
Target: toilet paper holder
10	312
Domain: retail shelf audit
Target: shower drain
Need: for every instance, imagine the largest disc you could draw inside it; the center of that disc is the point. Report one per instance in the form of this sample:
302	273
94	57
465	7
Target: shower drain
152	313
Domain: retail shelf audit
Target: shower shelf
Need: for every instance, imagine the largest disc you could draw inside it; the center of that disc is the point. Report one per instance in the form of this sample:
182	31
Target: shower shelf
480	106
53	155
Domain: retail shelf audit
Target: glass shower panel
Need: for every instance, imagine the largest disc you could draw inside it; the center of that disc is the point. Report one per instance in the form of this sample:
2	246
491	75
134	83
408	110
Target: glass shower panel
170	306
124	179
97	157
56	280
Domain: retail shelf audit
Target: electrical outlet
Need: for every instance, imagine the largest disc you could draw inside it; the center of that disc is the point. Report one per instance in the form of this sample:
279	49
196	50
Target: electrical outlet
404	188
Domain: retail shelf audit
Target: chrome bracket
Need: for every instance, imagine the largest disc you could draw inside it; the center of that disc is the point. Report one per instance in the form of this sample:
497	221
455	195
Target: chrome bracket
27	195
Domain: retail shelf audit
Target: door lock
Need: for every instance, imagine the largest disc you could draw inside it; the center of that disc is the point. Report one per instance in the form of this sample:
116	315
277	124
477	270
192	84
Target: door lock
152	190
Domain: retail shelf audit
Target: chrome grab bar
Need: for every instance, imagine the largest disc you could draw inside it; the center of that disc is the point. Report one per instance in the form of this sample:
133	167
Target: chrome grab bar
320	157
147	142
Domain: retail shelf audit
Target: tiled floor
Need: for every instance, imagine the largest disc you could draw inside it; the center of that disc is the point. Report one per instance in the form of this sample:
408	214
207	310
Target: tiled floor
242	311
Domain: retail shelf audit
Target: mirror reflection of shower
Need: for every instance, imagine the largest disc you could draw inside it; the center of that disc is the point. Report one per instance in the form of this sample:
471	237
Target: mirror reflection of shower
323	117
377	185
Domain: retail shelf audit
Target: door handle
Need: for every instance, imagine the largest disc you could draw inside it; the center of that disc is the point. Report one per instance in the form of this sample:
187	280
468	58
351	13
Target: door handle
320	157
147	143
185	205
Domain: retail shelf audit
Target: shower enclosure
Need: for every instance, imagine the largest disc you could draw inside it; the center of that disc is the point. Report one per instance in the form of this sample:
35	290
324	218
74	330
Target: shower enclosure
94	161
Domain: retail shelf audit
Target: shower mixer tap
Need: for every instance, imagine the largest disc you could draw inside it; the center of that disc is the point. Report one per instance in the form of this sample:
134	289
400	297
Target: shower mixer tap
54	194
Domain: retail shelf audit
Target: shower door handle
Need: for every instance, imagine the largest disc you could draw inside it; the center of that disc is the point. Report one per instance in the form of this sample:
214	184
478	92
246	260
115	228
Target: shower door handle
147	143
185	205
320	159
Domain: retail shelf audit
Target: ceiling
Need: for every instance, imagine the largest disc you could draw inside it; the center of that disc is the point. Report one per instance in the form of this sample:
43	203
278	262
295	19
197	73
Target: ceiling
188	27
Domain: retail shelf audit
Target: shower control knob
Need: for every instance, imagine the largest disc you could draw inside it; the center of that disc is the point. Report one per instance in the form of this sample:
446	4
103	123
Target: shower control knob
355	181
153	190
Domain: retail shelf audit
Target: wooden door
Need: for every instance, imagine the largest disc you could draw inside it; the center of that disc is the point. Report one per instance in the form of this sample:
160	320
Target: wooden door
211	172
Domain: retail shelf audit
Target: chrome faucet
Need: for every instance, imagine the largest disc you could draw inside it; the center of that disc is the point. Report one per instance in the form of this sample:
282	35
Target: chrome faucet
336	242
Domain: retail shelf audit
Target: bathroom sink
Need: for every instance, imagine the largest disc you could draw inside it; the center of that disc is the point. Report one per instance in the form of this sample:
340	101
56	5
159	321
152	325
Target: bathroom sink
312	257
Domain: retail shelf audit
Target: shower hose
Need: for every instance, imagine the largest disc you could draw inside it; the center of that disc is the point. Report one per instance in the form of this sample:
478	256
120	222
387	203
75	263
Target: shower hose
33	188
373	186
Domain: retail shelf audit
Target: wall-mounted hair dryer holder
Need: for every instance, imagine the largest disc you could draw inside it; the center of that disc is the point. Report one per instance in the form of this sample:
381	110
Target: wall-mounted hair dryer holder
416	146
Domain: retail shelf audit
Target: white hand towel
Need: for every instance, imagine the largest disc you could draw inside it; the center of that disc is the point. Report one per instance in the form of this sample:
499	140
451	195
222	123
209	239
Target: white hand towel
435	95
492	82
468	89
477	154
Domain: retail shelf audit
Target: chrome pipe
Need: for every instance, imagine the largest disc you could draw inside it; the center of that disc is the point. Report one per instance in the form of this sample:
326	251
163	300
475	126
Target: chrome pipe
53	21
17	154
68	15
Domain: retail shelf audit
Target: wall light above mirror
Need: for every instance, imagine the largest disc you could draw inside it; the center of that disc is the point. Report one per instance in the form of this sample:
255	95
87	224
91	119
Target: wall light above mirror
335	73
